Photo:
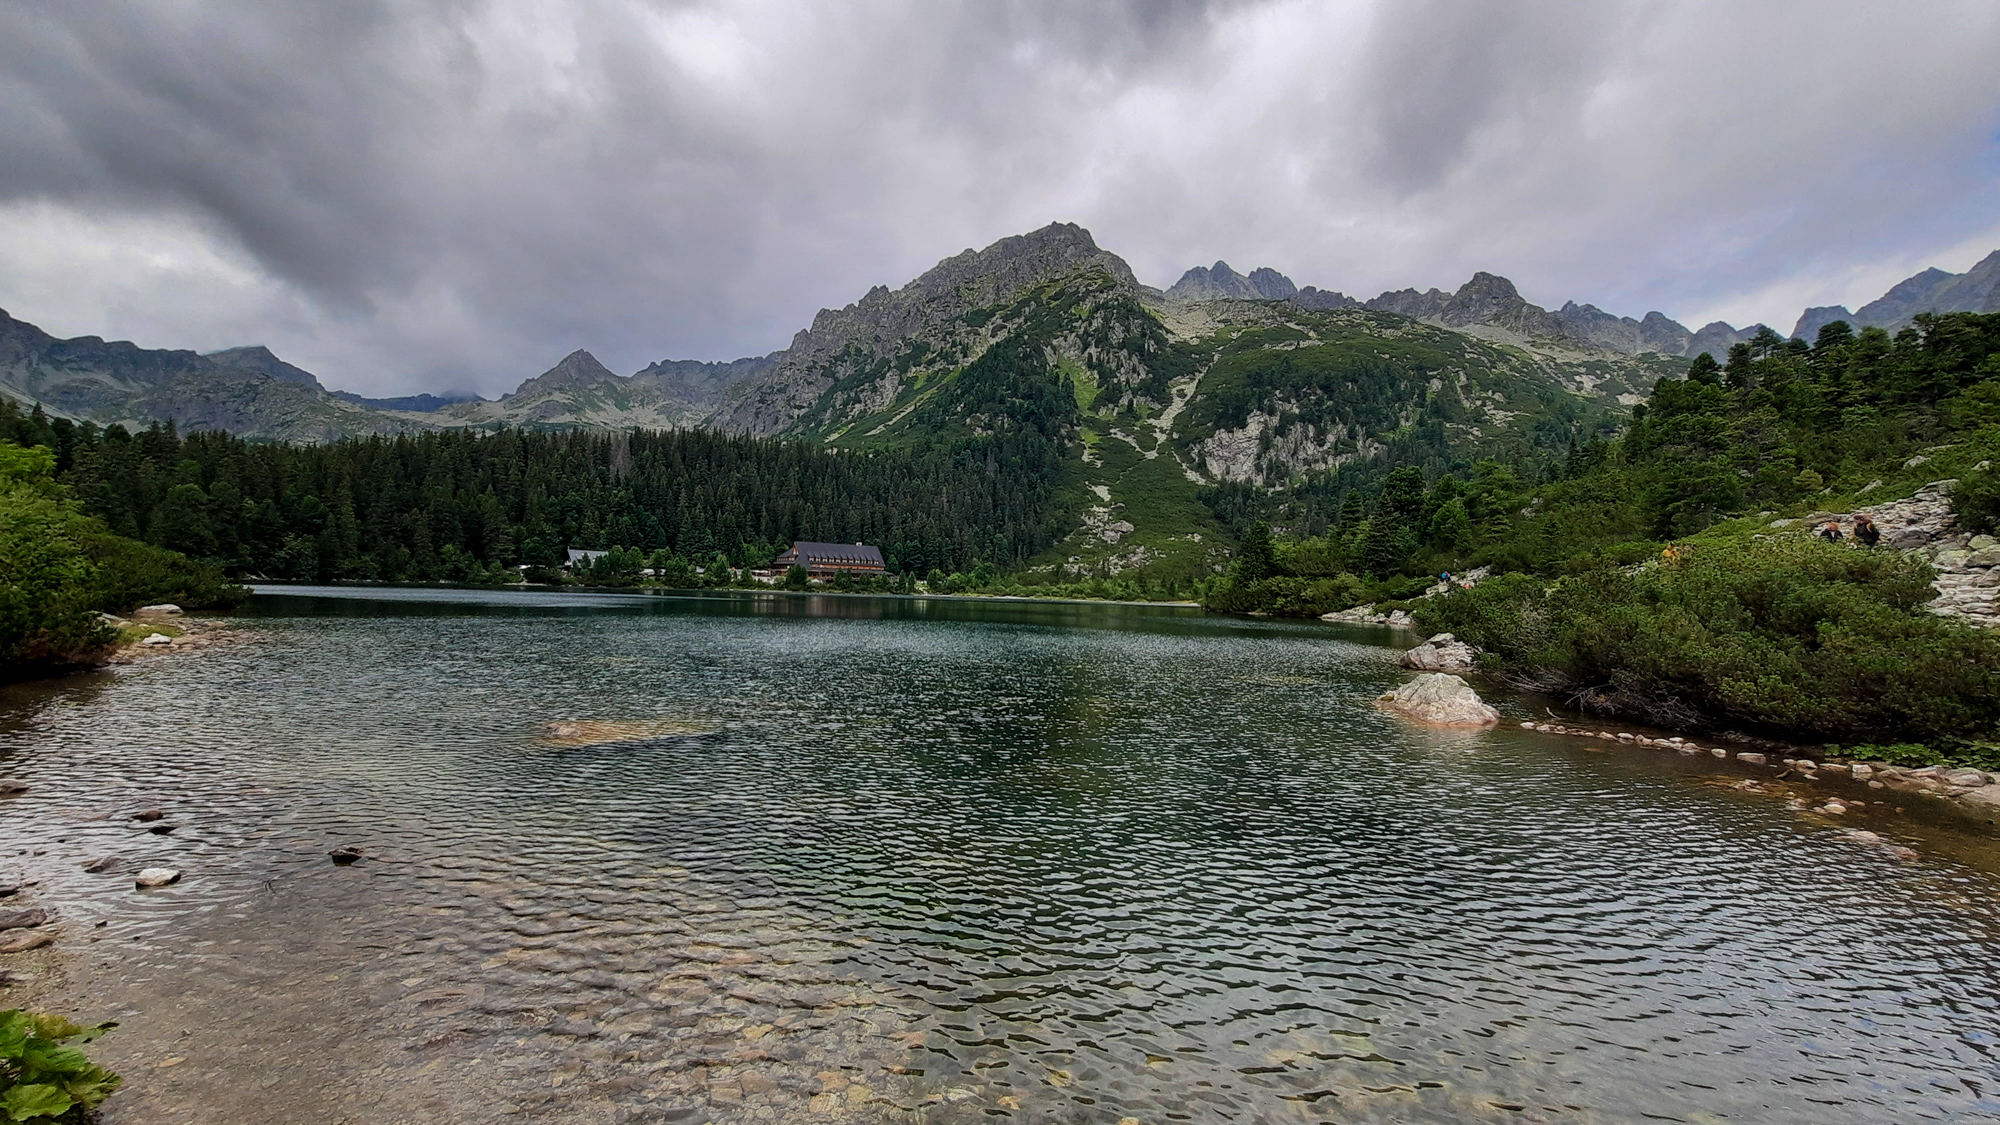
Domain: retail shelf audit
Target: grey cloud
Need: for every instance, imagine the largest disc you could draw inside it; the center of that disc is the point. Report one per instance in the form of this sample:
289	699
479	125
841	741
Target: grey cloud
459	193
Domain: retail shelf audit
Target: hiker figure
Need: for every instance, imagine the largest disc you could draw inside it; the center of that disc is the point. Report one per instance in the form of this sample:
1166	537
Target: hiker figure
1831	532
1864	530
1445	578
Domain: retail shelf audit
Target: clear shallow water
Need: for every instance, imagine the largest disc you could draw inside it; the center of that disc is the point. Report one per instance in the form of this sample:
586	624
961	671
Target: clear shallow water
945	861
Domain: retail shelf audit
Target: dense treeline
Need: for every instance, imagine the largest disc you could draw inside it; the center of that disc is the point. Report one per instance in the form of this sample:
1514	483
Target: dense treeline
464	506
1732	624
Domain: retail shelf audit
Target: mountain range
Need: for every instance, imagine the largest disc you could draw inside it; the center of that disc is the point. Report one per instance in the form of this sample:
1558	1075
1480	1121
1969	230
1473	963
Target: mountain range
854	361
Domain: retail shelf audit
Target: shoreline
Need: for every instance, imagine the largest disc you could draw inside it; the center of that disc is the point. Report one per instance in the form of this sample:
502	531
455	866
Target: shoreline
652	591
1969	792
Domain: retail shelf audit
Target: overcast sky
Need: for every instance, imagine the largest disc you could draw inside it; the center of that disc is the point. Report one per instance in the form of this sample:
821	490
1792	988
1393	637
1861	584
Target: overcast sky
407	195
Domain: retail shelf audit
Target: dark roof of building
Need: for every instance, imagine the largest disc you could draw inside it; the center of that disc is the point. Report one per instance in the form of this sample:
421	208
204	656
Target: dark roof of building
852	554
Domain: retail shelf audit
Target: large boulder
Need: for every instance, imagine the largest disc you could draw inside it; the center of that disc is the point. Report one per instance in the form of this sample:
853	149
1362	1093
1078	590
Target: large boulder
1441	700
1442	653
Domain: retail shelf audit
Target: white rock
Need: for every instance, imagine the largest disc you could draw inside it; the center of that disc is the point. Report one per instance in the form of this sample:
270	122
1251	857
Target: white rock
156	877
1753	758
165	609
1862	770
158	639
1719	752
1439	699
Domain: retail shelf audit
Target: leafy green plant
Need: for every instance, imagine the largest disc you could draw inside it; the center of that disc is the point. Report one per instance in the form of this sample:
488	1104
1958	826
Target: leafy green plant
43	1080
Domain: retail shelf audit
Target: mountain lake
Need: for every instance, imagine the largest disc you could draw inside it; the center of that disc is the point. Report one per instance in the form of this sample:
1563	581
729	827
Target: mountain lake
772	858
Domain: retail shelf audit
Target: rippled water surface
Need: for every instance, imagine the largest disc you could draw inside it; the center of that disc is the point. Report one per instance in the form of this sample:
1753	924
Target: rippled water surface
792	859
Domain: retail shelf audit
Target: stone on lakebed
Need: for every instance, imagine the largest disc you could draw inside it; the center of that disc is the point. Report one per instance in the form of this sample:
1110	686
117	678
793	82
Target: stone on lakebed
1439	699
156	877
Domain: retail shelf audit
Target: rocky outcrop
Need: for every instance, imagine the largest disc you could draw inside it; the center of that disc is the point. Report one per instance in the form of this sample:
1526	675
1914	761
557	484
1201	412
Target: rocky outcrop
1656	333
1217	282
1967	565
1440	700
1716	338
1814	319
1312	298
1442	653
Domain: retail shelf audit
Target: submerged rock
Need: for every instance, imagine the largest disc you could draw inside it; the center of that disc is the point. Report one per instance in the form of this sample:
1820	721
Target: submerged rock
11	788
30	939
344	855
23	919
156	877
1442	653
1439	699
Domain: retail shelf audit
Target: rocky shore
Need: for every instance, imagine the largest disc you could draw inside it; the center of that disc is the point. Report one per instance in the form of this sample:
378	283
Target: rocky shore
1974	791
156	630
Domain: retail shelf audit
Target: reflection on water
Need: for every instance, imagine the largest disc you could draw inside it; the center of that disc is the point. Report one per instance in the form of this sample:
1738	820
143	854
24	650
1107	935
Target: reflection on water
885	859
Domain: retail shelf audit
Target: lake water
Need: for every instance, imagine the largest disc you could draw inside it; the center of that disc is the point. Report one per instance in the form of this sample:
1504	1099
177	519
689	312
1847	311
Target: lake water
850	859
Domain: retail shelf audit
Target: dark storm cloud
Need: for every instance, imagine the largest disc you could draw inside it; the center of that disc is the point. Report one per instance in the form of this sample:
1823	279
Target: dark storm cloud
409	195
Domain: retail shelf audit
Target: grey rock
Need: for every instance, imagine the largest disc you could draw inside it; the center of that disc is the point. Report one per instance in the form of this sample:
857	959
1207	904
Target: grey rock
156	877
1970	778
1442	653
1751	757
9	787
1438	699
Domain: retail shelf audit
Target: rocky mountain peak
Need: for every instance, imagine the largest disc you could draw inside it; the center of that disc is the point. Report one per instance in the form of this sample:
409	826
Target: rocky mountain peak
1219	282
984	277
577	369
258	358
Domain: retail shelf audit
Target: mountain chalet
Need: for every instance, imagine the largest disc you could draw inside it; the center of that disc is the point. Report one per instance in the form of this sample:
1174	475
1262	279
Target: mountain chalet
829	560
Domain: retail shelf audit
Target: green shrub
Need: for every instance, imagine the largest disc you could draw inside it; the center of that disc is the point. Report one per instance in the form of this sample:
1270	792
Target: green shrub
46	612
43	1081
1976	500
129	574
1794	636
